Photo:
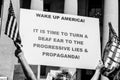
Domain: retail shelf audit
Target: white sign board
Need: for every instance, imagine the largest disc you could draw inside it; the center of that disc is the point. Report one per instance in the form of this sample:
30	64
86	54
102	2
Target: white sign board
60	39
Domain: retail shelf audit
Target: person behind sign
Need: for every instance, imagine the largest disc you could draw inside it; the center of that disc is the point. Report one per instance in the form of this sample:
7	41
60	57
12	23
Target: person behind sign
26	68
30	75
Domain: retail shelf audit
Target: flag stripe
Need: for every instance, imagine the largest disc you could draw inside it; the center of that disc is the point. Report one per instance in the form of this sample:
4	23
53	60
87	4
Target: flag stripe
119	18
118	55
9	23
16	33
12	30
110	54
106	62
6	29
118	50
11	26
116	59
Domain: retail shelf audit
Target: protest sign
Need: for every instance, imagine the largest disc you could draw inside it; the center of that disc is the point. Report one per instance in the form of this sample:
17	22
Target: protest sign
60	39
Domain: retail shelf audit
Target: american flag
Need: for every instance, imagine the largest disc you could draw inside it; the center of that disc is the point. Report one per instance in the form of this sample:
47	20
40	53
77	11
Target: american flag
11	29
111	54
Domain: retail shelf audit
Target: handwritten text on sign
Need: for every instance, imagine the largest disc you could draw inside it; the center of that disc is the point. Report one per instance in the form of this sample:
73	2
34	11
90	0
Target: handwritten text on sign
59	39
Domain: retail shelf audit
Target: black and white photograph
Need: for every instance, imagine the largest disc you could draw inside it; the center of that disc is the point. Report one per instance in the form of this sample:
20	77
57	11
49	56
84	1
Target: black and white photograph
59	40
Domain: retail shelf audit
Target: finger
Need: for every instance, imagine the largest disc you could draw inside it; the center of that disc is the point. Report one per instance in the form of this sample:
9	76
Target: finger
18	45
